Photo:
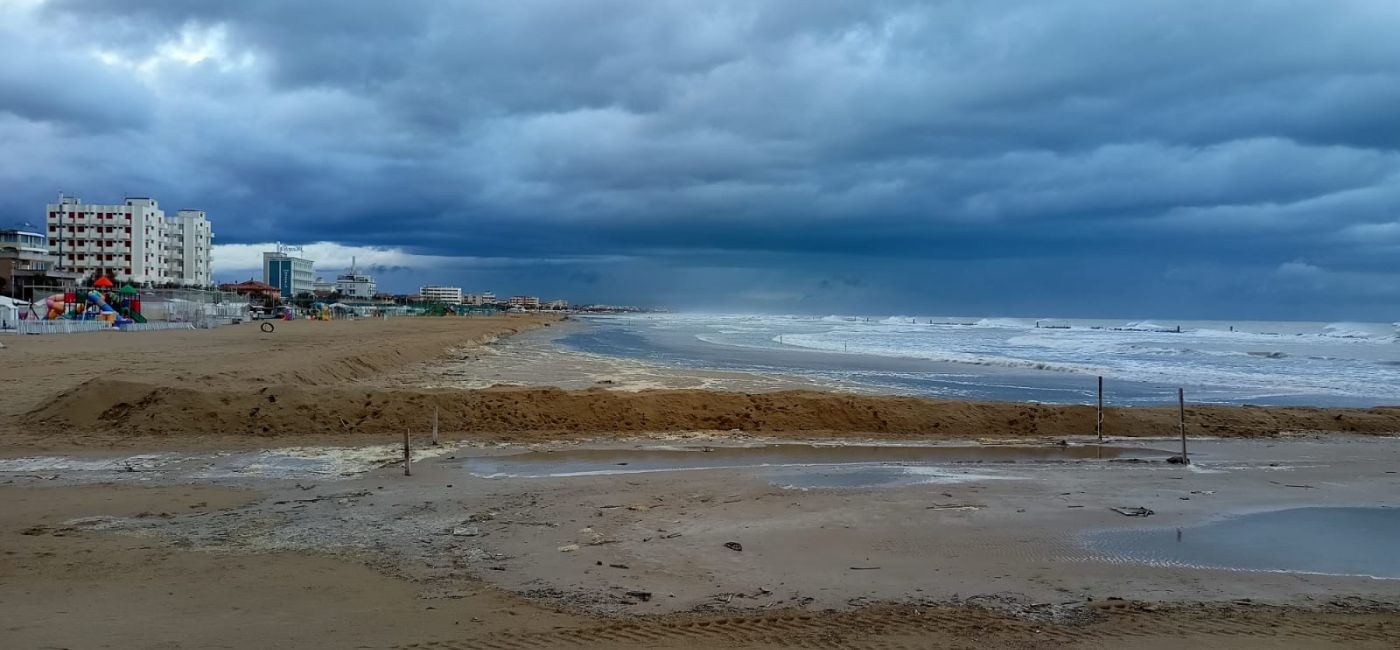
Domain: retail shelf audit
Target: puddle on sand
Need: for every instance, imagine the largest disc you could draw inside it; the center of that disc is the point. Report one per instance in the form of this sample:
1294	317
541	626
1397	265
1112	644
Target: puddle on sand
1332	541
803	466
872	476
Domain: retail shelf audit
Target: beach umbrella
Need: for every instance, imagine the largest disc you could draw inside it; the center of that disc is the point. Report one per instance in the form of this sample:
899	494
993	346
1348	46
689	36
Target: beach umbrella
102	283
127	290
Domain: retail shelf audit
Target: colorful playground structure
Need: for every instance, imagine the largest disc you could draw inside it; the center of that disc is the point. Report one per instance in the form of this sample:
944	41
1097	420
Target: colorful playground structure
100	303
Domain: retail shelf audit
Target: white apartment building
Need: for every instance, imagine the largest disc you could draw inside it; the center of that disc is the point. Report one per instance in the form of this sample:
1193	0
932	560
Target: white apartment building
448	295
525	302
189	241
484	298
132	242
292	276
355	285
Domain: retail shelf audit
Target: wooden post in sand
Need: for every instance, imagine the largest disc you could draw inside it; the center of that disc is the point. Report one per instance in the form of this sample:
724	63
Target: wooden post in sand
407	456
435	426
1181	407
1098	420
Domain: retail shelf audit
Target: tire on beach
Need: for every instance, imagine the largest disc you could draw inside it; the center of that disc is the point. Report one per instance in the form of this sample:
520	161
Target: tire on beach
267	327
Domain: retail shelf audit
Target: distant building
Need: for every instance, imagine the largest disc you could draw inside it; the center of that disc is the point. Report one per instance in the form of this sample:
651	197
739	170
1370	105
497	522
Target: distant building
322	287
557	305
291	275
447	295
525	302
484	298
26	266
133	241
355	285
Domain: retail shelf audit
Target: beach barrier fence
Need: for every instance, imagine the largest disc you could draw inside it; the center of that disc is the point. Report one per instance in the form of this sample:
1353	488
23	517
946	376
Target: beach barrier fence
77	327
55	327
154	327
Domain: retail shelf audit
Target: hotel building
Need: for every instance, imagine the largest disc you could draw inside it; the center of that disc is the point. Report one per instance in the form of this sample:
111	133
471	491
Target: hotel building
131	242
355	285
27	267
447	295
292	276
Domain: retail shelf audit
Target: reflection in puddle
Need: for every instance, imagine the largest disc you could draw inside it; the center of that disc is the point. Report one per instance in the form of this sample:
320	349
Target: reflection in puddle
873	476
1334	541
798	466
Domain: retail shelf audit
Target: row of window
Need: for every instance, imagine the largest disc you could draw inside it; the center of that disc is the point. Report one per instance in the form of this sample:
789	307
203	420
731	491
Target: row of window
99	243
121	271
93	215
74	258
84	229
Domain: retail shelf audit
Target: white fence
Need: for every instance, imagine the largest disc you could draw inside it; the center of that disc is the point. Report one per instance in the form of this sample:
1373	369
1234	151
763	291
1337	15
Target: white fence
76	326
152	327
54	327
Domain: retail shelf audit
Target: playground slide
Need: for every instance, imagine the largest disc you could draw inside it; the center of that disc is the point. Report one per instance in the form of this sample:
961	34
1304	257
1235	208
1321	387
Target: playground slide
105	311
55	305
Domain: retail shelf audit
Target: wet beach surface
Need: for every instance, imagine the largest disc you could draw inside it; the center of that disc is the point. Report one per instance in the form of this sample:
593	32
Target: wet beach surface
1326	540
1029	520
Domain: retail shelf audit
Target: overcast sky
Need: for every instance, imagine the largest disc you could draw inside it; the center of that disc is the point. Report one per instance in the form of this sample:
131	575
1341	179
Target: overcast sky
1042	158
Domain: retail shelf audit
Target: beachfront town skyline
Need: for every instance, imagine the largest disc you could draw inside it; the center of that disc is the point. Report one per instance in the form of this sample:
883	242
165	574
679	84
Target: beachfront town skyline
135	242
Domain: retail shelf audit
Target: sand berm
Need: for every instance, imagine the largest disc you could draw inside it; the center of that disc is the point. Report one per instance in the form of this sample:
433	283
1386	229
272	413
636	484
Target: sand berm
317	380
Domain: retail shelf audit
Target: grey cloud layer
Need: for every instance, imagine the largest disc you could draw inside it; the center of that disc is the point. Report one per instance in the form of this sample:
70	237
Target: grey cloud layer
1197	148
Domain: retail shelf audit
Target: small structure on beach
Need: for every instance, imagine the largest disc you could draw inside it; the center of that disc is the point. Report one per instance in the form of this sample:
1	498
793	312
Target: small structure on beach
254	289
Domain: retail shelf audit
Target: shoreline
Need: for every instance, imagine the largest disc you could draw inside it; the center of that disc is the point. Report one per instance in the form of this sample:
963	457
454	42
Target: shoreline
372	390
995	364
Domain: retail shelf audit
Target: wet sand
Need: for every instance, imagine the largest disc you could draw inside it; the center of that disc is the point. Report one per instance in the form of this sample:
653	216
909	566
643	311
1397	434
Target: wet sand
942	562
534	359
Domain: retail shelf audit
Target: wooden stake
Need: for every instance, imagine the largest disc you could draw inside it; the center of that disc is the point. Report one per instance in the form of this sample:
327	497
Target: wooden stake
1098	421
407	456
1181	406
435	426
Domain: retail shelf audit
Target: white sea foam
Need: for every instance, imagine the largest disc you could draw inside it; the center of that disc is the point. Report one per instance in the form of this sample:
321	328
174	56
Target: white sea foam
1232	360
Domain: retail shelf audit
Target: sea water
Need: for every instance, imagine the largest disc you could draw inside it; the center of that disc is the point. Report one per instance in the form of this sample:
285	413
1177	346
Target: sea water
1045	360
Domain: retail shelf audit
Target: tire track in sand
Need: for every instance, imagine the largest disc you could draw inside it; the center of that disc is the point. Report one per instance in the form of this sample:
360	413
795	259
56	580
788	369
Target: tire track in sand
908	628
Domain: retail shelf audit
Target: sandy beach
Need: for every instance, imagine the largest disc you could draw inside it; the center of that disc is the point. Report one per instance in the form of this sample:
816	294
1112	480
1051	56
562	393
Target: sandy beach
154	480
370	380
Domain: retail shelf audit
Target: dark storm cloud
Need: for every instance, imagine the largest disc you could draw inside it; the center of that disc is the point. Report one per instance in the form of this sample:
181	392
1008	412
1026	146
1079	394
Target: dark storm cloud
1237	158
